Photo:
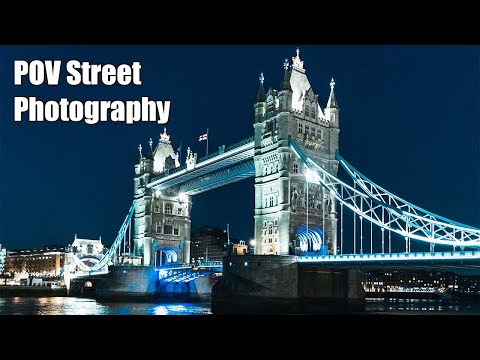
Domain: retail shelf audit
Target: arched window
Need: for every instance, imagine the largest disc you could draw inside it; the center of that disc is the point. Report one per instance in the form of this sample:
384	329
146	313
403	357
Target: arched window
168	208
307	110
158	228
300	128
295	168
156	208
266	202
313	111
180	211
271	200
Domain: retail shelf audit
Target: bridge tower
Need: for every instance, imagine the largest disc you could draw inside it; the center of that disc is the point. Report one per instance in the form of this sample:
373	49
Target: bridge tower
162	218
281	201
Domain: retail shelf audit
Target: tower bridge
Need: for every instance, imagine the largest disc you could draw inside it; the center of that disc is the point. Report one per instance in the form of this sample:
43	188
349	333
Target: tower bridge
302	205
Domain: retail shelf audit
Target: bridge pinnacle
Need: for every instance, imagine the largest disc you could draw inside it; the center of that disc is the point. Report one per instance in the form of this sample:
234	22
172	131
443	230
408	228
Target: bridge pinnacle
332	84
296	62
261	97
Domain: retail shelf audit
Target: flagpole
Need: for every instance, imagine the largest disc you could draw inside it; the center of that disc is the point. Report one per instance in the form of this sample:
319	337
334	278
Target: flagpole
207	142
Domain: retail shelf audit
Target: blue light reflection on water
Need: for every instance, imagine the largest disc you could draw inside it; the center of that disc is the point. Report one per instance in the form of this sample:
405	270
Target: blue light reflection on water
83	306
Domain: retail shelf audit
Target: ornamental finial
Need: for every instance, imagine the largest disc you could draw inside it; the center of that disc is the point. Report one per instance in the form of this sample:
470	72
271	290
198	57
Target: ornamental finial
285	65
332	83
261	78
164	137
296	62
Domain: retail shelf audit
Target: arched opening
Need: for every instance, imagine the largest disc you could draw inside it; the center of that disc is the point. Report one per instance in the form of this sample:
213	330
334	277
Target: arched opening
88	284
165	257
311	240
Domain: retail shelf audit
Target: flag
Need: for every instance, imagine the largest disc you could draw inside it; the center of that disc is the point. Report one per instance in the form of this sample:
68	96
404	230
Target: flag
203	137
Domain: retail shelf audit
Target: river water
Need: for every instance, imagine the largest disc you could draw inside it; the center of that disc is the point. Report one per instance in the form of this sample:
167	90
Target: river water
84	306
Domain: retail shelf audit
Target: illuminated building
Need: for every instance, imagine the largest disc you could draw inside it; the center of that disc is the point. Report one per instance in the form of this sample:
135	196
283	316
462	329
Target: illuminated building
47	262
3	253
293	213
161	231
207	244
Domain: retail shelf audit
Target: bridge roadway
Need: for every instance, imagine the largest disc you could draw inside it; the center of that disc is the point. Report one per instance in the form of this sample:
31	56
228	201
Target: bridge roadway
225	166
467	262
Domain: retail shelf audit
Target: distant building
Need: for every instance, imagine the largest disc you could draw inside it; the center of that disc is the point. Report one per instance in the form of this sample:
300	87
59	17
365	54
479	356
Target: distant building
207	243
47	262
240	249
3	254
88	247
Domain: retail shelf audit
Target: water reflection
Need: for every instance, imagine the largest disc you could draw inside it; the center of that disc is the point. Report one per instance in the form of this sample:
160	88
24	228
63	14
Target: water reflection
83	306
421	305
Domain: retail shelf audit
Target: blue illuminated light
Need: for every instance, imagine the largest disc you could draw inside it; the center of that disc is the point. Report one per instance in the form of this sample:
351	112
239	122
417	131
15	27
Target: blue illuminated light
245	263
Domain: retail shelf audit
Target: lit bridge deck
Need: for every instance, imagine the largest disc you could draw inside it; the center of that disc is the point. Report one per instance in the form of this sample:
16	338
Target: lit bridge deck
223	167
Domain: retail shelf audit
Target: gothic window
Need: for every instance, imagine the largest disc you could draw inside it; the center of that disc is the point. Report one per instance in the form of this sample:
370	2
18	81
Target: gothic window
313	111
271	200
158	228
266	170
168	208
307	110
275	223
300	128
295	168
319	205
156	208
270	230
269	126
276	167
180	211
89	249
167	229
175	231
307	130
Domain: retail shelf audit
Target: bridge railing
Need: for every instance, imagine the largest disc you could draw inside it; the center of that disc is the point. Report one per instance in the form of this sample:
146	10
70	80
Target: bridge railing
240	143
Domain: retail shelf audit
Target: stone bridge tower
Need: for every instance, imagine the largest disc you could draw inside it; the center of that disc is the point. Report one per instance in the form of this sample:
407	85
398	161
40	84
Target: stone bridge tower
280	184
162	218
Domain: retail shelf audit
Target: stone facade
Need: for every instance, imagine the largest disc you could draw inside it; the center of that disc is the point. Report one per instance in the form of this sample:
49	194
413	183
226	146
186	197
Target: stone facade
280	184
162	218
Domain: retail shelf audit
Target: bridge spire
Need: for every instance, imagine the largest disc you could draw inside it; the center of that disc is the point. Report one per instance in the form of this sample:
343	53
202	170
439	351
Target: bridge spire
286	77
261	97
296	62
332	101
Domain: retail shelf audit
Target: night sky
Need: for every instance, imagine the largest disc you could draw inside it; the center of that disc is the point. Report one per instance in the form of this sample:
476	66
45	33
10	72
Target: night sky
409	119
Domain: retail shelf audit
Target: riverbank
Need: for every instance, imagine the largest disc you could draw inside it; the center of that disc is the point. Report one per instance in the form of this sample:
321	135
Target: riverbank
32	291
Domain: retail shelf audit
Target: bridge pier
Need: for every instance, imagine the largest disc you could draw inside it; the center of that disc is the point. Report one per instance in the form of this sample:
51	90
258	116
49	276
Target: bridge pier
279	284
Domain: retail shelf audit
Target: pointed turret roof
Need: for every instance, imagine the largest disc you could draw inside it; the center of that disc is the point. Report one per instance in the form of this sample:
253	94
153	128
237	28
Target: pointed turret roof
261	97
286	77
332	101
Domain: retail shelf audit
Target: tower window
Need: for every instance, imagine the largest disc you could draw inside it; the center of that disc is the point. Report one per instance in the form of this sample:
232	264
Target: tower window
307	110
156	208
271	200
307	130
158	228
168	208
180	211
167	229
175	231
295	168
269	126
300	128
313	111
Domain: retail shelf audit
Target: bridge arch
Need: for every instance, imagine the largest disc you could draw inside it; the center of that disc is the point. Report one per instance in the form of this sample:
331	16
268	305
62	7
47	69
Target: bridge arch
311	239
165	256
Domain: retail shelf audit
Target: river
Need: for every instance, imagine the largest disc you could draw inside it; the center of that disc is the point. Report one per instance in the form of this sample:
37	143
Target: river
84	306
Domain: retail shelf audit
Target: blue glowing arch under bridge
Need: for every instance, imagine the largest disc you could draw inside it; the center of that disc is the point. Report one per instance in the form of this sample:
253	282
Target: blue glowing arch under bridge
311	239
